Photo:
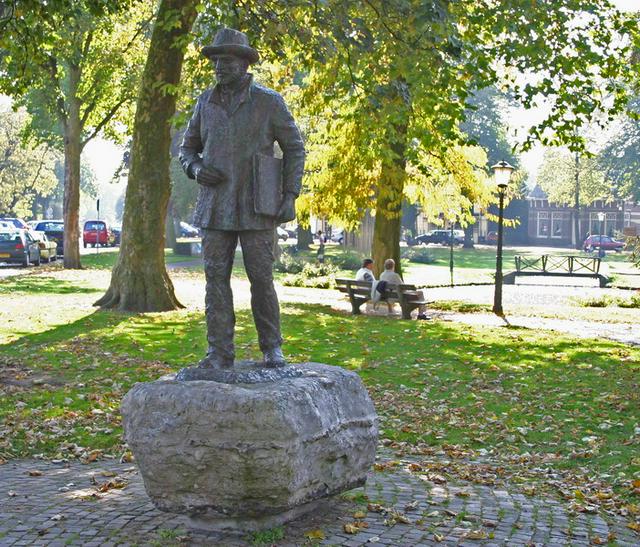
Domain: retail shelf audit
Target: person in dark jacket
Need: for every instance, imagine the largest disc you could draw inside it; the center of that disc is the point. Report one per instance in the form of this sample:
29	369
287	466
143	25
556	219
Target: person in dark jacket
233	123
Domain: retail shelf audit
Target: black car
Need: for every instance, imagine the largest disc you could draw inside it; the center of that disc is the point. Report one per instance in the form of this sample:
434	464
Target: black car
117	234
19	246
54	230
442	237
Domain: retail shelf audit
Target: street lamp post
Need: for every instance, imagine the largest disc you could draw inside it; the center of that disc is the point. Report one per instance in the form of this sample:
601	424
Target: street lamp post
502	172
601	217
451	235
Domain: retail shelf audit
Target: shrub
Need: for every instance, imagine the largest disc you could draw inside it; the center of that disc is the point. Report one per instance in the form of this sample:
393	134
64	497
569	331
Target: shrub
298	280
633	302
289	264
597	302
419	255
347	260
312	269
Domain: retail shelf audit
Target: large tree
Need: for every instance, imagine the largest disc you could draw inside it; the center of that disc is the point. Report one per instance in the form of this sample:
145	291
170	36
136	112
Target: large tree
620	158
572	178
26	171
389	82
139	281
74	66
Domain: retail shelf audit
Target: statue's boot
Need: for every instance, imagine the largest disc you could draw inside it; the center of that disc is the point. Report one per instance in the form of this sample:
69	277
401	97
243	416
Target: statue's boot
274	358
214	361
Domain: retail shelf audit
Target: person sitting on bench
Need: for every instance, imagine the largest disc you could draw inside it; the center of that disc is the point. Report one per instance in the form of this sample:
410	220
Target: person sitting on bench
393	278
366	272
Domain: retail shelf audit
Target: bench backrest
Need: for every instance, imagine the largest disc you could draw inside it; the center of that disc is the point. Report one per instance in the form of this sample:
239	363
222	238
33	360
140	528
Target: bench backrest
363	288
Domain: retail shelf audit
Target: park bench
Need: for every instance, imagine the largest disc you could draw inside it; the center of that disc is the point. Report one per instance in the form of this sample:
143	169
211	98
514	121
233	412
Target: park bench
359	292
188	246
557	266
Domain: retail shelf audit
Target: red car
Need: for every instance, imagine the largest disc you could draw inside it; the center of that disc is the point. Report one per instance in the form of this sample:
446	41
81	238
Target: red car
96	232
607	243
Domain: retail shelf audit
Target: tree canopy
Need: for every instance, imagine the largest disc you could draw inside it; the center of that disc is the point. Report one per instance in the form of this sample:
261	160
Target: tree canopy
75	67
26	171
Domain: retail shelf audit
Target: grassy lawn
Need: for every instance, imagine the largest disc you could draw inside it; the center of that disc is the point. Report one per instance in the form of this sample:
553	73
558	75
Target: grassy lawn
549	400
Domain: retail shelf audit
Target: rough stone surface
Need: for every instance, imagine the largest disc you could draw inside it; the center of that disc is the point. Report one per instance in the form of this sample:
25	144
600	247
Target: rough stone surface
246	452
244	372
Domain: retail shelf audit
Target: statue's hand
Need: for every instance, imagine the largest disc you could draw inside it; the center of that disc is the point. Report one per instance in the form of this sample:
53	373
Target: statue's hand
207	176
287	210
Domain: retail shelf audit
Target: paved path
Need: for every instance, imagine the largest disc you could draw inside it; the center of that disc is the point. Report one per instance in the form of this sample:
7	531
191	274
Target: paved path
626	333
403	504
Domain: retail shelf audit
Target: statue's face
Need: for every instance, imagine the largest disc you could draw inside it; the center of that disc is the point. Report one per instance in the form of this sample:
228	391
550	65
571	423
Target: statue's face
229	68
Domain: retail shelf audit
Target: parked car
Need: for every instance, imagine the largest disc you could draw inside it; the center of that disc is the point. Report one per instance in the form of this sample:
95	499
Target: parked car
186	230
607	243
97	233
54	230
19	246
337	236
282	233
443	237
48	248
18	223
491	238
117	234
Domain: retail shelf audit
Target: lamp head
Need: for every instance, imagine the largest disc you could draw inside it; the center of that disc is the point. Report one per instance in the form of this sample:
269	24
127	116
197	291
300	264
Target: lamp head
502	171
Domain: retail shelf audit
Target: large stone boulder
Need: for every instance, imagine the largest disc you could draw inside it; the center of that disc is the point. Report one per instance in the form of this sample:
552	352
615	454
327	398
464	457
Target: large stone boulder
253	453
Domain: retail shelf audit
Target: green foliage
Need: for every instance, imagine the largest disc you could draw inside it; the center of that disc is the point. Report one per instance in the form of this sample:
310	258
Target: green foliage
606	301
26	171
288	263
85	55
620	158
557	177
267	537
347	260
633	243
313	275
419	255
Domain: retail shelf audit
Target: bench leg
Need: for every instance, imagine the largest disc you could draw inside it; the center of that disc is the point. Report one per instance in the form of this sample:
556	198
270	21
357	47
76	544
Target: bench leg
406	310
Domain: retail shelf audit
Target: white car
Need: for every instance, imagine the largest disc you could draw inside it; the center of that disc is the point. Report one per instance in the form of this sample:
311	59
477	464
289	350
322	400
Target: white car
282	234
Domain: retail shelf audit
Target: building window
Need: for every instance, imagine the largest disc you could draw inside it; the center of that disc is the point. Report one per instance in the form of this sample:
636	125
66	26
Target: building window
543	224
627	220
556	225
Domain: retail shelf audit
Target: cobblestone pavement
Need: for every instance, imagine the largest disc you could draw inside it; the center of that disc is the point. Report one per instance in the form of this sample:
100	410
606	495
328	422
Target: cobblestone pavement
104	504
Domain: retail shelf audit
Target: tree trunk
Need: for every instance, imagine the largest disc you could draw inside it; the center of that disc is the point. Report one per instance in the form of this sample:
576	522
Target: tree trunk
386	230
139	281
170	232
71	201
305	238
576	205
468	237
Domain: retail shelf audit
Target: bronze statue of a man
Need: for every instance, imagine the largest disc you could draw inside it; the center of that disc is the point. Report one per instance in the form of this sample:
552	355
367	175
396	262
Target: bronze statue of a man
228	148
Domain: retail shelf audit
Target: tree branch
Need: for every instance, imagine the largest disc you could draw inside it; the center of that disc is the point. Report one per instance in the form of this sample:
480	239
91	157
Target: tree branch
105	120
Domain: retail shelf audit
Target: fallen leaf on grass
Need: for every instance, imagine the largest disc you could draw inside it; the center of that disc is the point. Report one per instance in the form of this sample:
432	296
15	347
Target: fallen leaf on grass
375	507
359	515
438	537
635	526
314	534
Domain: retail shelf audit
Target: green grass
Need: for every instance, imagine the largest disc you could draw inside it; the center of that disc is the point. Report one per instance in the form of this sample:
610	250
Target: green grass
513	391
568	404
267	537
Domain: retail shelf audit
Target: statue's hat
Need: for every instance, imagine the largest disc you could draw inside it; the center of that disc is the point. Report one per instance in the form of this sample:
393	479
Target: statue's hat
231	42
